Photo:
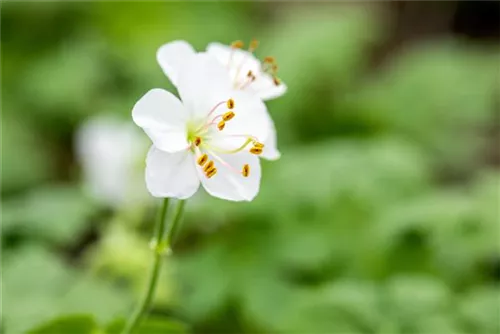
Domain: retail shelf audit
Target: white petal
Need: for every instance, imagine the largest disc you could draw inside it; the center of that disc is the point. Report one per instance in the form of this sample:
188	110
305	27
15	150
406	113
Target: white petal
172	57
202	84
265	88
171	174
237	61
270	151
163	118
220	51
234	58
251	119
228	183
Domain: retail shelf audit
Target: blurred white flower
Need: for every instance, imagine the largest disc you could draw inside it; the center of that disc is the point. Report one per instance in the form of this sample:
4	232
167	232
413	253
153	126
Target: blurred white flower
109	151
214	135
246	71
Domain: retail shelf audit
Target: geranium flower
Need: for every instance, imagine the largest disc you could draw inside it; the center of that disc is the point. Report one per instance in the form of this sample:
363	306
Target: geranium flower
214	134
109	151
245	70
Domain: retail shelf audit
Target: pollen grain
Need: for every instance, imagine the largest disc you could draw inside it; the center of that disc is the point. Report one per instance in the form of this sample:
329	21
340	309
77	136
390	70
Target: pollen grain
228	116
202	159
211	172
256	150
246	170
237	44
208	166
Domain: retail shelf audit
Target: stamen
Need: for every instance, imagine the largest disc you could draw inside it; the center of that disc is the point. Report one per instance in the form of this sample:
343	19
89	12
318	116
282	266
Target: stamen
228	116
256	150
269	60
208	166
221	125
201	129
250	78
246	170
237	44
276	81
197	141
236	150
253	45
211	173
270	66
230	104
215	107
202	159
258	145
254	139
225	164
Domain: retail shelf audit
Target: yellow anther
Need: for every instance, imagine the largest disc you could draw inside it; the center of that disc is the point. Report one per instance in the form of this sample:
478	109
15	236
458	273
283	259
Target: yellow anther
246	170
269	60
275	68
221	125
202	159
258	145
276	81
228	116
253	45
251	75
197	141
237	44
230	104
256	150
211	172
208	166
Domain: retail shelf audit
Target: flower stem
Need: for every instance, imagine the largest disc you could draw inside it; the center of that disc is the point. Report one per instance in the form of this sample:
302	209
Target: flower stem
174	227
159	248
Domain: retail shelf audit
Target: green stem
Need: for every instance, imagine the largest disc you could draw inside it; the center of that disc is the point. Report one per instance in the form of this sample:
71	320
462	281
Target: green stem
155	270
174	227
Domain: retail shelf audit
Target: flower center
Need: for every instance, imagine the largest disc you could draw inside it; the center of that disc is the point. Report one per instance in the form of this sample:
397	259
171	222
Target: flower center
200	138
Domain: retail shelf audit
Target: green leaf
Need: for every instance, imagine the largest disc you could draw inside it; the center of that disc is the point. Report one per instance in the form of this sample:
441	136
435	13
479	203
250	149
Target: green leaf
22	149
58	213
346	306
411	299
431	94
38	286
74	324
479	310
321	50
76	76
149	325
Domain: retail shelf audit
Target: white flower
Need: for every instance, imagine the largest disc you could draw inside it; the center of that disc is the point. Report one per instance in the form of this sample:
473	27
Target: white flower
214	135
246	71
109	151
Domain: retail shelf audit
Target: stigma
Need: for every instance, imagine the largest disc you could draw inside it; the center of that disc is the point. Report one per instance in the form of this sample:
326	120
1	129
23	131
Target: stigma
207	154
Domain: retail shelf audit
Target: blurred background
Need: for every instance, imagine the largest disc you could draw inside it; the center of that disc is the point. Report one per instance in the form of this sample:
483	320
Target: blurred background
382	216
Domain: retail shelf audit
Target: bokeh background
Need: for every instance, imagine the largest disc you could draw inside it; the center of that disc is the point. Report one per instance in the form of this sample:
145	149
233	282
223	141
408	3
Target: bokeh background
382	216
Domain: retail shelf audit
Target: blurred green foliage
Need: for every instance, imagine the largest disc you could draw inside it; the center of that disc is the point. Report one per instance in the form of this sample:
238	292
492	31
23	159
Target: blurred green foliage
380	217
